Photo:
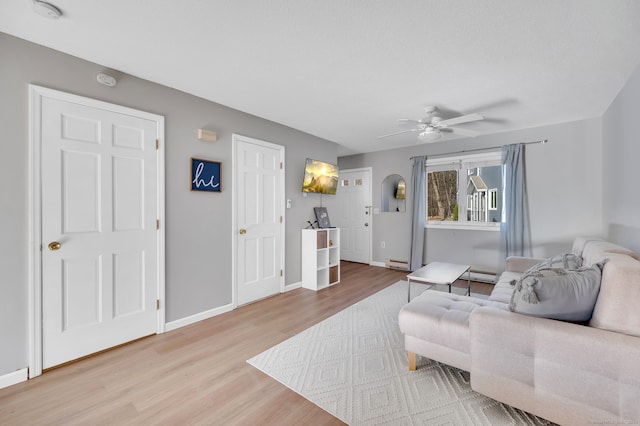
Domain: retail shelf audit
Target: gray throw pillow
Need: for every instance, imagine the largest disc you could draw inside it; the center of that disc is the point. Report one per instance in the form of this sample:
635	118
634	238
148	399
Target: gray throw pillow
567	261
557	293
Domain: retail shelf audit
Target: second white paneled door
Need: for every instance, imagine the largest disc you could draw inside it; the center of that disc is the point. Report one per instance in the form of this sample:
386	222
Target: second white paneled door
259	218
99	211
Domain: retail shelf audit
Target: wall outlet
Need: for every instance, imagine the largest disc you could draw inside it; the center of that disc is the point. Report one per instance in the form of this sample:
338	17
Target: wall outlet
382	244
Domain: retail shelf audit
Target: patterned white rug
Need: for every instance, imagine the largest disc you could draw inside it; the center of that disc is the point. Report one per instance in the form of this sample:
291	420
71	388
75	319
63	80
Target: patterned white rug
354	366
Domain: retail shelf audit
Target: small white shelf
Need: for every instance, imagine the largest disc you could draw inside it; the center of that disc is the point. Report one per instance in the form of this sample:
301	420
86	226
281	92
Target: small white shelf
320	258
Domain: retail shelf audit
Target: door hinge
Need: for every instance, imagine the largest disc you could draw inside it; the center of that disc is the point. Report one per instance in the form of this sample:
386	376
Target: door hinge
281	273
281	165
157	304
157	144
280	219
157	223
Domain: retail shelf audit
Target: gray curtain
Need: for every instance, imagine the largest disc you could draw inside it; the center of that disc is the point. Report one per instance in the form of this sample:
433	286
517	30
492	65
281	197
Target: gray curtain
515	234
418	212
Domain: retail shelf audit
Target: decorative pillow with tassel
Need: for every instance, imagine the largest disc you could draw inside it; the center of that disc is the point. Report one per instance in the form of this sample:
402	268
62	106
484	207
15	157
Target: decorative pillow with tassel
558	293
567	261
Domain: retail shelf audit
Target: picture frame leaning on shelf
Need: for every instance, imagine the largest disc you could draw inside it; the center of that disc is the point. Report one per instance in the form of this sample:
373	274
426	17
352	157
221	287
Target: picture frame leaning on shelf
322	217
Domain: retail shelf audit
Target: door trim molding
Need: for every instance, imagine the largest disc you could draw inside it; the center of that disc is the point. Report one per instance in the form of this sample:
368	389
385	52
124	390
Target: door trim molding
36	95
371	222
235	137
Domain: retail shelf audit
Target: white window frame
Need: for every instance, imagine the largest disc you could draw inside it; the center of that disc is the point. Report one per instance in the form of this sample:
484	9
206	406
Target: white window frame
462	162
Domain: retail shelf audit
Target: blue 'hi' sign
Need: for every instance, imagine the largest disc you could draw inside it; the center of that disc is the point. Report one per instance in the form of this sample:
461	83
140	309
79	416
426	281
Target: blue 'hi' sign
205	175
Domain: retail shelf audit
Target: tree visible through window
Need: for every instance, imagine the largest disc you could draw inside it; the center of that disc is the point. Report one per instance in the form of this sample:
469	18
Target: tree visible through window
442	195
465	190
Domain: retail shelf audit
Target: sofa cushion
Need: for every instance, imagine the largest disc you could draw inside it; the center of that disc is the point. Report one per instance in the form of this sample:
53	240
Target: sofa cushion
442	318
597	251
580	242
618	305
555	293
503	289
520	264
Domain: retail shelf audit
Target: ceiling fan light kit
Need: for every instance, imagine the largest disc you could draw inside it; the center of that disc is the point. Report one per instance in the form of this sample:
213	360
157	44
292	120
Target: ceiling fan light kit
429	135
430	128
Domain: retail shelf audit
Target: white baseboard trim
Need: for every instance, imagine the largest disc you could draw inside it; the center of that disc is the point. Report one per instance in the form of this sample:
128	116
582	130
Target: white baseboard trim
14	378
380	264
173	325
292	286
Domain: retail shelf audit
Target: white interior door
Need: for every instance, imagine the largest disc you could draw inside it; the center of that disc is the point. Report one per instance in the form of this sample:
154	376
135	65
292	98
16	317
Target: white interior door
259	218
99	211
354	194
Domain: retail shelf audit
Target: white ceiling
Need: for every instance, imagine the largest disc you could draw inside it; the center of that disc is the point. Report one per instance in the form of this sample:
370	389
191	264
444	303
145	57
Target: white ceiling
345	70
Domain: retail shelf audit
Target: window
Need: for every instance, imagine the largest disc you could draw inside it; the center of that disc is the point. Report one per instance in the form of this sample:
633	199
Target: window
465	191
493	199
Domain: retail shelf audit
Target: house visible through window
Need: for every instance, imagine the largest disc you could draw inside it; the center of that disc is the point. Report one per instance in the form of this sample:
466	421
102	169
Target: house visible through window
465	191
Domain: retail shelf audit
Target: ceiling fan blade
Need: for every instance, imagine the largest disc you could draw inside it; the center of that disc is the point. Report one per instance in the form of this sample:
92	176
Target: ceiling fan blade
462	119
464	132
408	120
397	133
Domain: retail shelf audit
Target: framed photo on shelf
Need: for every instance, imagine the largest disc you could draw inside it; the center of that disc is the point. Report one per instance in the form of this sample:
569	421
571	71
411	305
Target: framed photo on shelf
322	217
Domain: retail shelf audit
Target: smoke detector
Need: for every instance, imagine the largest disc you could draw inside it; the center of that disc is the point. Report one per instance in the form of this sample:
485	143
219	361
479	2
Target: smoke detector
106	79
47	10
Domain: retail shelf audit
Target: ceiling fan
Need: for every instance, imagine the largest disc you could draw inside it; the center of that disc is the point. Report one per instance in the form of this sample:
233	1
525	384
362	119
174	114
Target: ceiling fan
431	127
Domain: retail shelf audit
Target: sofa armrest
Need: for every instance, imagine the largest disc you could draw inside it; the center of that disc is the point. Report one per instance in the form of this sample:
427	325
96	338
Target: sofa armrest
520	263
563	372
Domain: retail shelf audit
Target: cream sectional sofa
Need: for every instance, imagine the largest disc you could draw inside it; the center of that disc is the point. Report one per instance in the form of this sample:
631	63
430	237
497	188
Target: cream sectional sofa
568	373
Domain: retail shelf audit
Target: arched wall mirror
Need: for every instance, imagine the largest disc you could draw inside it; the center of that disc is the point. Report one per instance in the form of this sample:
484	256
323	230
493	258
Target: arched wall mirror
394	191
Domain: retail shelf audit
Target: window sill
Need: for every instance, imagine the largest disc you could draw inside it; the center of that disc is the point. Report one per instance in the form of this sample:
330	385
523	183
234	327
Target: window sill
467	226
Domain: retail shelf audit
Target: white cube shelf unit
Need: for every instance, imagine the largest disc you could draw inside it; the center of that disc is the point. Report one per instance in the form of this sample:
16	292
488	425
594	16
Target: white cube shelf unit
320	258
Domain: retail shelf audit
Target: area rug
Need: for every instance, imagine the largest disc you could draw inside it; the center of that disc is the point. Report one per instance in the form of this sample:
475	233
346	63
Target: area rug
354	366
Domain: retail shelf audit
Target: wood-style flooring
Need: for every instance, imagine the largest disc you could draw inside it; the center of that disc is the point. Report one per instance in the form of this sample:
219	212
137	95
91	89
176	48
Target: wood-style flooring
197	374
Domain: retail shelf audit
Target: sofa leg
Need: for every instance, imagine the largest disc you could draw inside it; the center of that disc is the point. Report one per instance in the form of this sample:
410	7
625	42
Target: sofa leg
412	361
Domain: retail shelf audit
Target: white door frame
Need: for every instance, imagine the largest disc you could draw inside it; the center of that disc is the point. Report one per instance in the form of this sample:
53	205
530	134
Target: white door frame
36	95
234	212
370	171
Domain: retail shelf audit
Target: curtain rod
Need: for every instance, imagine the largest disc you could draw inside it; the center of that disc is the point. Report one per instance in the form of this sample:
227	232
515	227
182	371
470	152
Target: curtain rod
543	141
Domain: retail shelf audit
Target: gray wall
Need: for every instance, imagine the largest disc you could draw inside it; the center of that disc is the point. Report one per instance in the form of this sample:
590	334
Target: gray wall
198	225
620	165
564	182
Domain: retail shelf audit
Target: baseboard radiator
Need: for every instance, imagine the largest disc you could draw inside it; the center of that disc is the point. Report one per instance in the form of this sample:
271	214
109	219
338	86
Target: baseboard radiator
401	265
483	277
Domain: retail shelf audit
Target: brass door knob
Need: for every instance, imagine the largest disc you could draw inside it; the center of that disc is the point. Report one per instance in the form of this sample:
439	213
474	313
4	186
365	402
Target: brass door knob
243	231
54	246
